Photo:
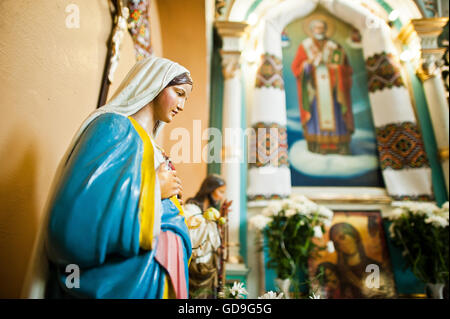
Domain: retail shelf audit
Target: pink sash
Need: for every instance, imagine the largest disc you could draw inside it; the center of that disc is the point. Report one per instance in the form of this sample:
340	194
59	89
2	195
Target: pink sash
169	254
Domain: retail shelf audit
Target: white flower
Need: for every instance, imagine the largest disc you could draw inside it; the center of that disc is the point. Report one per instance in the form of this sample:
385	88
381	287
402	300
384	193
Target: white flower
434	215
266	212
428	208
443	212
286	203
298	207
325	212
330	247
238	291
318	232
419	208
314	296
259	222
272	295
309	209
397	213
290	212
325	215
300	199
391	230
444	215
437	221
272	209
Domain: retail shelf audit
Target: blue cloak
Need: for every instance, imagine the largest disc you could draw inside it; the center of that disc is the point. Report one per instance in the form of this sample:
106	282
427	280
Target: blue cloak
94	219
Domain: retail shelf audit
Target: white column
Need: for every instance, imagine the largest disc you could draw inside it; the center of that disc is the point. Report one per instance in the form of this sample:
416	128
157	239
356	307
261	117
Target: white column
439	113
232	148
422	35
232	156
428	31
256	285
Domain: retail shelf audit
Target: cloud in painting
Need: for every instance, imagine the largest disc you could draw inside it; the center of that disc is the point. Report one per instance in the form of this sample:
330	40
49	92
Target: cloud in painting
294	125
293	113
331	165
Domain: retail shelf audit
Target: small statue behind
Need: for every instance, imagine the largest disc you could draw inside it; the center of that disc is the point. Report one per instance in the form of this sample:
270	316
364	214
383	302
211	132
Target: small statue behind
206	217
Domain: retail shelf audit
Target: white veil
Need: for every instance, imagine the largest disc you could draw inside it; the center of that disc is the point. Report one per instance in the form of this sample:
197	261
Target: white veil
142	84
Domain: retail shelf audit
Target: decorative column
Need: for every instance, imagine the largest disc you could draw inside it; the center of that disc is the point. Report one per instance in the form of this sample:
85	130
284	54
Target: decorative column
232	152
422	34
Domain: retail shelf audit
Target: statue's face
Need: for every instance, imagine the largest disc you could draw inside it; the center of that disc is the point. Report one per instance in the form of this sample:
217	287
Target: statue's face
171	101
219	193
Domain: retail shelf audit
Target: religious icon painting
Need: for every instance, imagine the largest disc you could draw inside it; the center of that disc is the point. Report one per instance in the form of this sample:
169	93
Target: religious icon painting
359	265
331	135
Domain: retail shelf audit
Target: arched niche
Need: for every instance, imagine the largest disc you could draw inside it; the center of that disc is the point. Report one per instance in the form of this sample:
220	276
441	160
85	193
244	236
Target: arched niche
242	9
406	172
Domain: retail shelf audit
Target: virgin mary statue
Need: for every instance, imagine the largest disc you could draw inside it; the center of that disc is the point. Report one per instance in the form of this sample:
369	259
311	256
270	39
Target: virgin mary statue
110	216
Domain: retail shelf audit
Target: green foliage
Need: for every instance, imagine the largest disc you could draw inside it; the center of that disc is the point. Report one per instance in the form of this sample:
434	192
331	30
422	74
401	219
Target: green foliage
425	246
289	242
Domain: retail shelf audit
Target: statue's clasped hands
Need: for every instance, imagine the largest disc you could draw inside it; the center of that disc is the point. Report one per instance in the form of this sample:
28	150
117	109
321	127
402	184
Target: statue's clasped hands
169	182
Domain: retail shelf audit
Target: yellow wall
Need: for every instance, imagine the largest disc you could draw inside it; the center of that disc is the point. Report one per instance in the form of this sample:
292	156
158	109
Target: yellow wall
183	34
49	82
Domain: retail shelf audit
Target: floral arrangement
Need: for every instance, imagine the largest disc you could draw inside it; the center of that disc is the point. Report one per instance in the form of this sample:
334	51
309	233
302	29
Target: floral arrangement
272	295
237	291
289	226
421	230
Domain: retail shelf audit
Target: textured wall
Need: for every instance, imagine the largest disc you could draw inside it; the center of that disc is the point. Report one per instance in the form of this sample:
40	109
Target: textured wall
183	33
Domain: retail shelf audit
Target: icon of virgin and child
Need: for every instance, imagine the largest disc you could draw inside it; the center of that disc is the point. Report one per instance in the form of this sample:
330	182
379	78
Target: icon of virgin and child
324	81
355	274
